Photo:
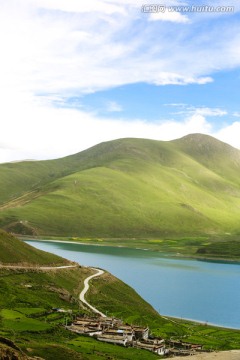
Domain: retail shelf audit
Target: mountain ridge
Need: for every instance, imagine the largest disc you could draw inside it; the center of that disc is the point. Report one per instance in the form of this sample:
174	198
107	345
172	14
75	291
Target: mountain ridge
128	188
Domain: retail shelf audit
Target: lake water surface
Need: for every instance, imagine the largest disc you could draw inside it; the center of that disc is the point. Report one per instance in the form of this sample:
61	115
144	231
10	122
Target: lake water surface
200	290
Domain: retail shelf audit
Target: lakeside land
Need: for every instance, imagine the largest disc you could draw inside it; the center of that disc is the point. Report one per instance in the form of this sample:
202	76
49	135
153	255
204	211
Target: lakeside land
29	296
222	249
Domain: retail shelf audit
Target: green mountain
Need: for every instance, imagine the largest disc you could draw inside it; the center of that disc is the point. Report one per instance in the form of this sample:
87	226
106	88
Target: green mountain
127	188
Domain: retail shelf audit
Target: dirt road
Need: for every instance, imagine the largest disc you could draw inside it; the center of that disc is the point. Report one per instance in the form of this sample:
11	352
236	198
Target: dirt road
85	289
38	267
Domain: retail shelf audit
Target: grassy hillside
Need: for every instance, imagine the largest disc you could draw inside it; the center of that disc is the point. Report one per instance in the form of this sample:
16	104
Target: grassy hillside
28	296
14	251
217	156
29	327
127	188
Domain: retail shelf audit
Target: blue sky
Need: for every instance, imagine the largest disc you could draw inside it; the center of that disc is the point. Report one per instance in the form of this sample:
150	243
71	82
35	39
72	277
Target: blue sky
74	74
156	103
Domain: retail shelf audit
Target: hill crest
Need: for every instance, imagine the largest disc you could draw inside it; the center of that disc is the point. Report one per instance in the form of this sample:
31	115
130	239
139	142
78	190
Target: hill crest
127	188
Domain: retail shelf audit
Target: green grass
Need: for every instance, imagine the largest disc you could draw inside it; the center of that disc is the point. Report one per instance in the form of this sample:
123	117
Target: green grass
219	249
86	348
35	289
31	311
14	320
99	350
15	251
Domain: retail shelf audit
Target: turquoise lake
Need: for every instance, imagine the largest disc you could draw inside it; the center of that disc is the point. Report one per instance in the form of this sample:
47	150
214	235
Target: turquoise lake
204	291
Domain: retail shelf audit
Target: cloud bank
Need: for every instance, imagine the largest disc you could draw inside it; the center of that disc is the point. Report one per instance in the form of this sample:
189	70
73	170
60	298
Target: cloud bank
54	49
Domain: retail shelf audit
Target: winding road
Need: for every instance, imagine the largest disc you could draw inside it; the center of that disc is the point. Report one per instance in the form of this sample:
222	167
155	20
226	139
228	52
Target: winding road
85	289
47	268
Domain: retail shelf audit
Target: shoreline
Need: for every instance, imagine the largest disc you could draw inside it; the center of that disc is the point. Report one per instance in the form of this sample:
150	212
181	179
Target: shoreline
168	317
198	322
164	254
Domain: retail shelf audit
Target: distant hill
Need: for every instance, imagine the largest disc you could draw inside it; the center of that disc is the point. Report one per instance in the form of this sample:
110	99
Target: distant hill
14	251
126	188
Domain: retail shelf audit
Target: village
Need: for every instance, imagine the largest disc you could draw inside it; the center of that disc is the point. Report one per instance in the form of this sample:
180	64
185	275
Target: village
115	331
112	330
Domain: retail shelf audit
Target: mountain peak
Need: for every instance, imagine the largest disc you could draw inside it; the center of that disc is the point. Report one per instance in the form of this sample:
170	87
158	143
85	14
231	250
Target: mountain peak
199	144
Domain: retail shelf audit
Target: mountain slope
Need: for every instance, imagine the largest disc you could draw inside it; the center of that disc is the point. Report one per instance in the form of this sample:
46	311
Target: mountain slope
14	251
127	188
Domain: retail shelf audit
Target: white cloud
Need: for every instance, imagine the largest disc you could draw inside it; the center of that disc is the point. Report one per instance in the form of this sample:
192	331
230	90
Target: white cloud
236	114
113	106
87	46
162	78
205	111
35	130
102	6
54	133
230	134
60	48
169	16
188	110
